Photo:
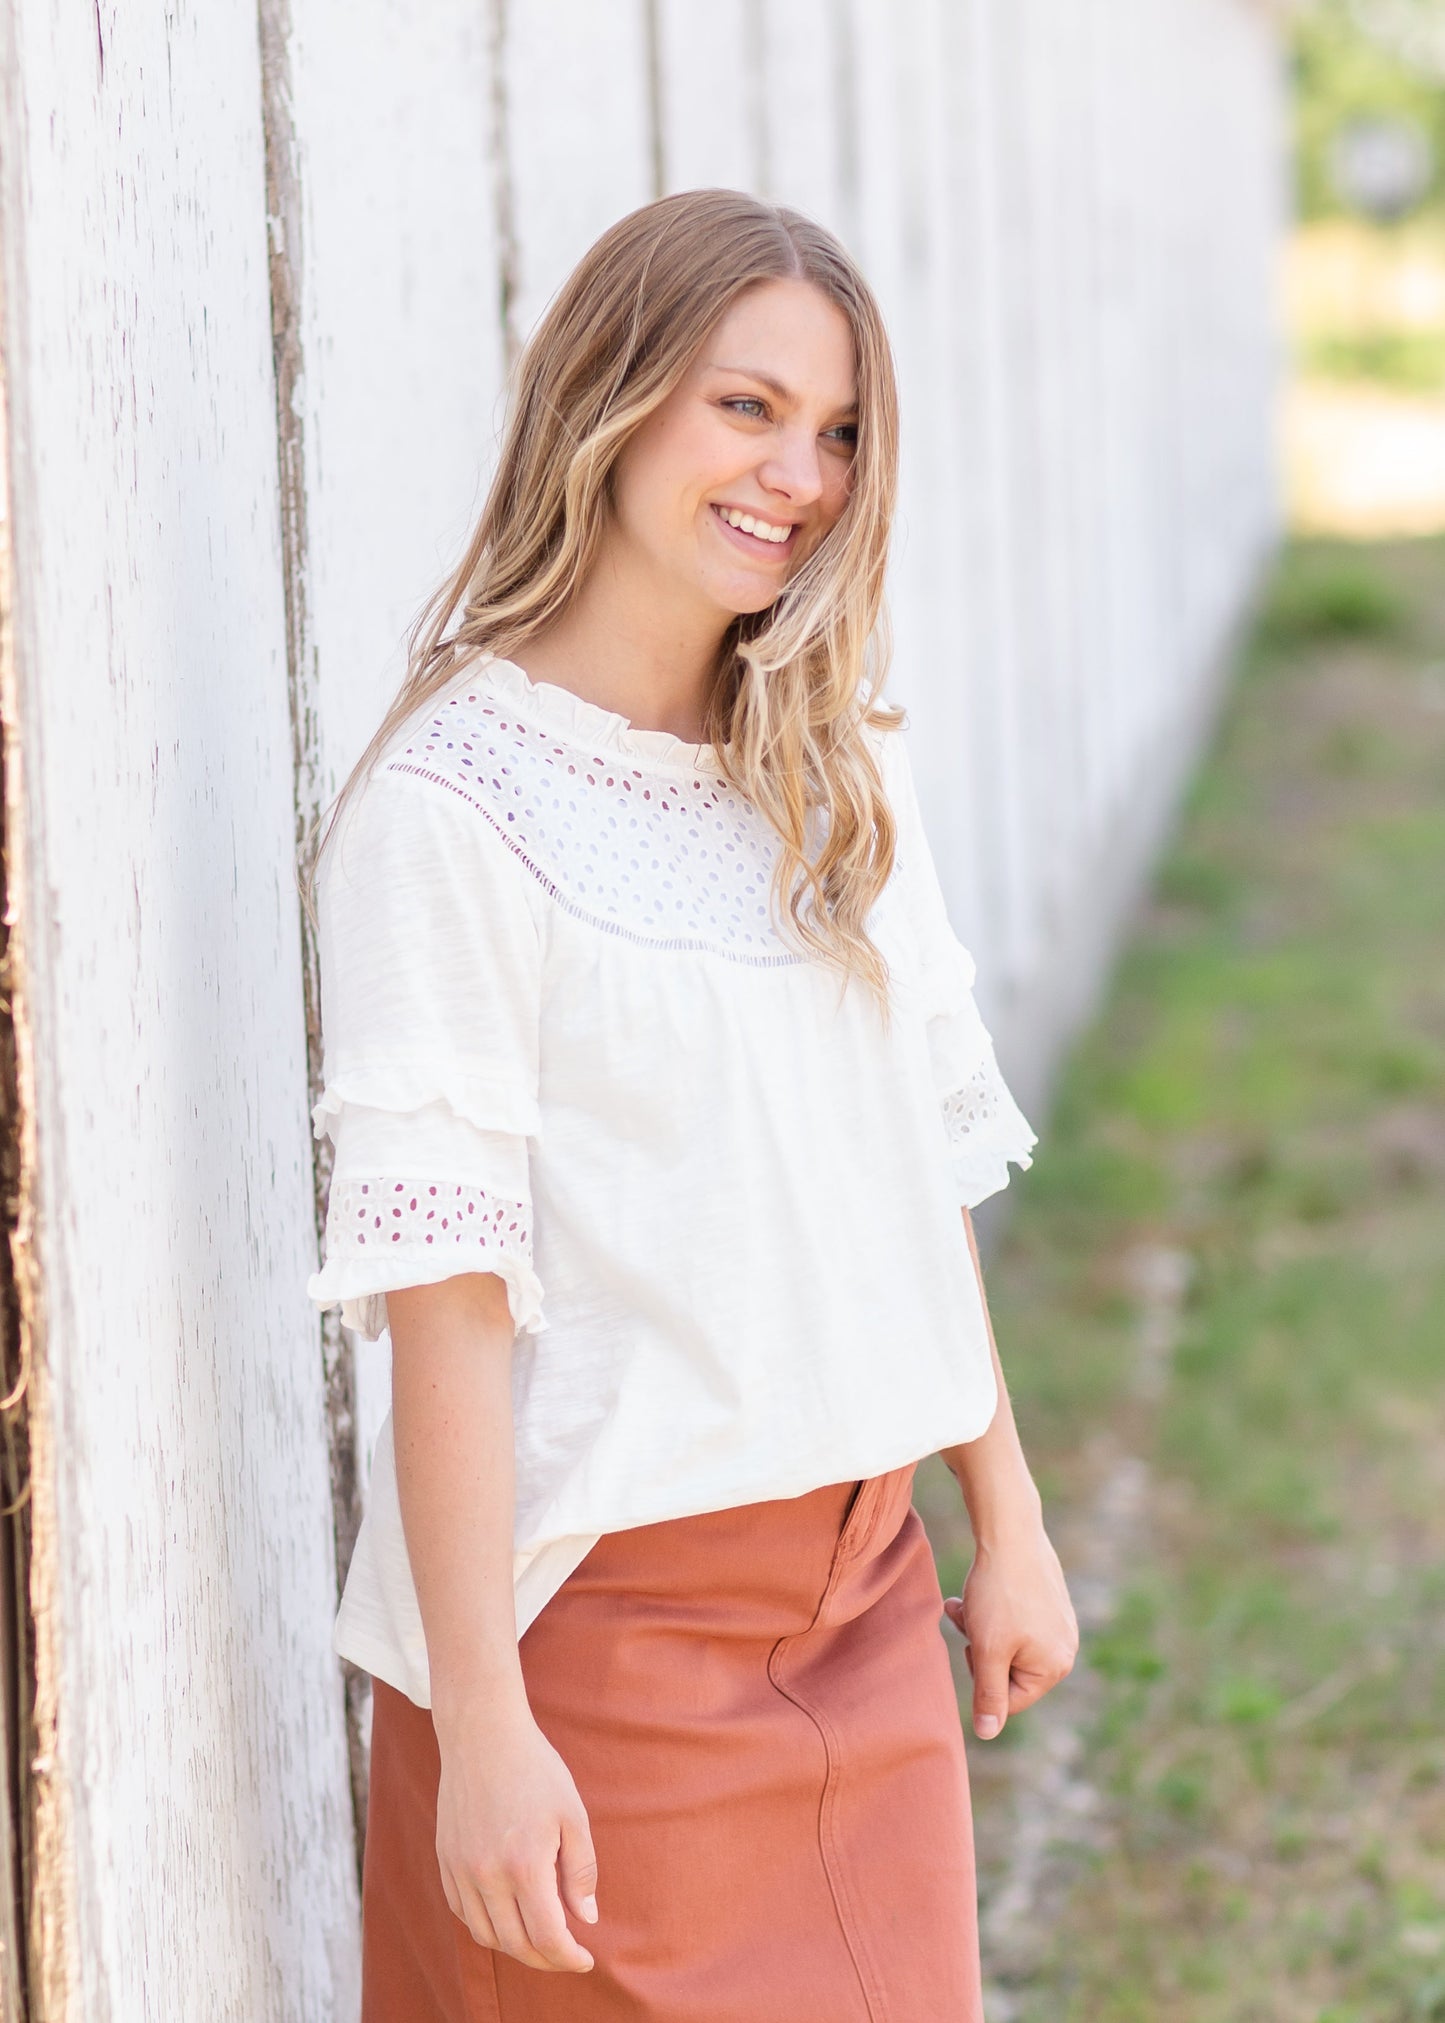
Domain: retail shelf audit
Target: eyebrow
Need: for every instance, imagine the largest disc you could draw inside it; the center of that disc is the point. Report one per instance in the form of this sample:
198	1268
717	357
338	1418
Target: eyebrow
766	379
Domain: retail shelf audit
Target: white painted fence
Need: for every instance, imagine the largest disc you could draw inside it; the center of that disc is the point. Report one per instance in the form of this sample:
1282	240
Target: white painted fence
1069	208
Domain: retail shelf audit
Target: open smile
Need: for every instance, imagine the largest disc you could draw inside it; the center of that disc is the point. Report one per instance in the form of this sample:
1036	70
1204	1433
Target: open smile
770	539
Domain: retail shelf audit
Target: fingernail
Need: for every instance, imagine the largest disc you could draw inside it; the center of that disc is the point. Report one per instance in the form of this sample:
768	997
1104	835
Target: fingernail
589	1909
987	1726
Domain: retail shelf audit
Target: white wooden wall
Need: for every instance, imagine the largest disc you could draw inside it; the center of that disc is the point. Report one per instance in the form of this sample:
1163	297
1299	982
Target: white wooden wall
1069	208
195	1795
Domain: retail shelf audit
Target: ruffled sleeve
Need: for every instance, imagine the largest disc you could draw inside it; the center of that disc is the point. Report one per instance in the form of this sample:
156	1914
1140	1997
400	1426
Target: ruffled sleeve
430	988
983	1127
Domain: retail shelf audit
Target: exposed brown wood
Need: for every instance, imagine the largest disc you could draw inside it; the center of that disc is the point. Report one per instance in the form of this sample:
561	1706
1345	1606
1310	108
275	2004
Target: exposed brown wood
503	202
657	146
17	1630
284	213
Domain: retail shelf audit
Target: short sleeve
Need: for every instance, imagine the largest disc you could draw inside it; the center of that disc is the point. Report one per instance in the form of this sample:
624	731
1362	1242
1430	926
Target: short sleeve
430	974
983	1126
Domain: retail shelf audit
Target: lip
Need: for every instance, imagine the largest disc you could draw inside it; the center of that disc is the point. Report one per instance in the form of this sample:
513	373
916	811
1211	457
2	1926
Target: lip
749	543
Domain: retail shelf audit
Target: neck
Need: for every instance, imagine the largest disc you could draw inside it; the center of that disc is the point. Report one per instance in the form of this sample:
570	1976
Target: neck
627	645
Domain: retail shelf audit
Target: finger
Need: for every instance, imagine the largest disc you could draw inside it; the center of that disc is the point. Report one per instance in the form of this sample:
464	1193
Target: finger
577	1869
990	1692
1030	1681
467	1907
546	1923
471	1908
510	1927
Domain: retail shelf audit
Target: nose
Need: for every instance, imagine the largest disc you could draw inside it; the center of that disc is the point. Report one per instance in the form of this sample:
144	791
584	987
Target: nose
793	469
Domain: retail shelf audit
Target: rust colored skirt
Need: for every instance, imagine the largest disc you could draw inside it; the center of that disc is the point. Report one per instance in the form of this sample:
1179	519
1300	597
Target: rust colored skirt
759	1712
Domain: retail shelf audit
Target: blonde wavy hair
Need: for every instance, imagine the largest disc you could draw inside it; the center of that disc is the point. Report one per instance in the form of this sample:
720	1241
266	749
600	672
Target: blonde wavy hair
797	683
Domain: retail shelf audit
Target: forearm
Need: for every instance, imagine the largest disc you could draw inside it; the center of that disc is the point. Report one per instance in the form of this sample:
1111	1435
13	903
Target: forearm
452	1425
991	1471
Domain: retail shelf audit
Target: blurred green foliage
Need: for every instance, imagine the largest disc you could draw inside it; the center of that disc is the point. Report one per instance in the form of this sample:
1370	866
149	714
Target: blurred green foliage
1410	361
1349	62
1322	592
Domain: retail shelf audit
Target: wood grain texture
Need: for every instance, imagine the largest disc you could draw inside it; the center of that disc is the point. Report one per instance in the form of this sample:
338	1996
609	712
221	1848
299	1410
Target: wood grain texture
709	74
19	1292
579	145
399	319
34	1826
200	1860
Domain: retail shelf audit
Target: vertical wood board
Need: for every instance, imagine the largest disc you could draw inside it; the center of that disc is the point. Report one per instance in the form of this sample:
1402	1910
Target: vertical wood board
199	1741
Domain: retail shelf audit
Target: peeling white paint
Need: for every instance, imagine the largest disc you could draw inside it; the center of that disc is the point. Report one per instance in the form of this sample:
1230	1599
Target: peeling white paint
202	1866
580	147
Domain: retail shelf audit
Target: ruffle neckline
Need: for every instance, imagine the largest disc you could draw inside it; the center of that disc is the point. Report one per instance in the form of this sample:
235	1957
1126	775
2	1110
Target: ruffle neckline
589	724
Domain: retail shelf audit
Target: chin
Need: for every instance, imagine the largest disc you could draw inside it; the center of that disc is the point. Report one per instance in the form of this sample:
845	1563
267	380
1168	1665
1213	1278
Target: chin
740	601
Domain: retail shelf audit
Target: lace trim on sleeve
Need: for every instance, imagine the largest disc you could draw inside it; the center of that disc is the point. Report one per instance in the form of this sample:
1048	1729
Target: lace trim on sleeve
384	1233
985	1129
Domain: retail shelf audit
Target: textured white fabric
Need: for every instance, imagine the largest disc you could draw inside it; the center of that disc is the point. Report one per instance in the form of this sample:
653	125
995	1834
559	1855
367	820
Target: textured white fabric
565	1041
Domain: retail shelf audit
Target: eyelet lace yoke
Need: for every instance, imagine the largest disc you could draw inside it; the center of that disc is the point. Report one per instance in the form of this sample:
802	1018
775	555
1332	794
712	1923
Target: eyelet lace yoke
631	830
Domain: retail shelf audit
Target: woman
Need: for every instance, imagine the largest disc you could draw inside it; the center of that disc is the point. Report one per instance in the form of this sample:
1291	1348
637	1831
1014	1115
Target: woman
656	1087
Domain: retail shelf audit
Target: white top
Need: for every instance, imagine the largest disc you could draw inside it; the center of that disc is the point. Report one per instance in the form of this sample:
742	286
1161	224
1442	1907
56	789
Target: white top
565	1042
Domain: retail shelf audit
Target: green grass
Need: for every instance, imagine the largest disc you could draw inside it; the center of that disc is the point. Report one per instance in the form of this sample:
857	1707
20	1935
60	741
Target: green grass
1322	591
1265	1089
1405	361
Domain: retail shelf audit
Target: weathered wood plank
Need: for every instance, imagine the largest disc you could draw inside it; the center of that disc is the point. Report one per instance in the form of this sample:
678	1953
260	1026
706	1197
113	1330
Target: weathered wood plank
397	312
196	1840
709	63
21	1295
578	143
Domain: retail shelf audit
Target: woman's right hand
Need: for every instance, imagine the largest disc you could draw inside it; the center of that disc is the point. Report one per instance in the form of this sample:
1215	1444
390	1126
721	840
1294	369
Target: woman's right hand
513	1842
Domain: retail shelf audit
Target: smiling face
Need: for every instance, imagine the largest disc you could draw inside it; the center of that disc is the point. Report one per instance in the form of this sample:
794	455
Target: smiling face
729	485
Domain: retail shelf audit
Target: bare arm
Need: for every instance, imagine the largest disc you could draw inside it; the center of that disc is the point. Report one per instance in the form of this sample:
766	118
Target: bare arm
1015	1608
991	1471
512	1836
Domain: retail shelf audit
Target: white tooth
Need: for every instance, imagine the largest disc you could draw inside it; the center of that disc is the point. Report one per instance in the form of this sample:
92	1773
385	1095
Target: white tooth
747	523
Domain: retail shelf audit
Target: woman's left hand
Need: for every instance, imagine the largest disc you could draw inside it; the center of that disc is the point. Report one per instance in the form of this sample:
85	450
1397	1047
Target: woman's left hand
1022	1633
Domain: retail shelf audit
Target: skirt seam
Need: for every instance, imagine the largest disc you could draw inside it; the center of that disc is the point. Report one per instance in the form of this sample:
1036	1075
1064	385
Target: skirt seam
869	1984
